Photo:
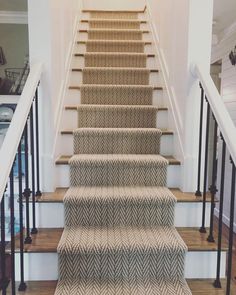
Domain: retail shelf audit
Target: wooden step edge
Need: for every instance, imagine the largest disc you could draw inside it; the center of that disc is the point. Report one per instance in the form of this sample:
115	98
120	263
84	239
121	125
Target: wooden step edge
197	287
118	11
75	107
79	87
47	239
87	30
84	42
111	53
70	132
107	68
182	197
64	160
114	20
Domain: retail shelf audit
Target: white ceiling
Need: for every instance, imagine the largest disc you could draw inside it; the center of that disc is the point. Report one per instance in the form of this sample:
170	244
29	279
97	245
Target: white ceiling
224	14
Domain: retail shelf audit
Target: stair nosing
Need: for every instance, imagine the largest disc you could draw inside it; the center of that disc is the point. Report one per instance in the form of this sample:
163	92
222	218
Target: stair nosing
64	160
103	85
164	131
32	248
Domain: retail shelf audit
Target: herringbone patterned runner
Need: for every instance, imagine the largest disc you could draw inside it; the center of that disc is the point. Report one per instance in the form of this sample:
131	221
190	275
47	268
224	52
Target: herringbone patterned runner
117	141
116	94
116	76
119	235
114	46
102	116
134	60
114	24
114	15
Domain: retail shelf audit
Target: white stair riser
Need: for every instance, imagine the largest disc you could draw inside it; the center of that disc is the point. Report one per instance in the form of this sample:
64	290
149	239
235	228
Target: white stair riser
66	146
51	215
76	78
73	97
199	264
173	176
70	119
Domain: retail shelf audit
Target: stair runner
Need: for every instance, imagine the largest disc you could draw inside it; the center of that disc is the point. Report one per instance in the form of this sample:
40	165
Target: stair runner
119	235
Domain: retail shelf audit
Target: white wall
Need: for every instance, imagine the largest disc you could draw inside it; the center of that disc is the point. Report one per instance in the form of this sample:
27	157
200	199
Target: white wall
183	33
52	26
228	92
114	4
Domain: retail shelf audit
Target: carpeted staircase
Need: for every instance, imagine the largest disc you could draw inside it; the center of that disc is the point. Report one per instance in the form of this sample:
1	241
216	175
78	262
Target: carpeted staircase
119	235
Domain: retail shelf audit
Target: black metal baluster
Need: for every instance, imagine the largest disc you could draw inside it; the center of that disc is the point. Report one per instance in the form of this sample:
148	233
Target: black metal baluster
12	219
34	229
217	283
27	192
198	191
203	229
22	286
4	281
231	230
213	188
38	192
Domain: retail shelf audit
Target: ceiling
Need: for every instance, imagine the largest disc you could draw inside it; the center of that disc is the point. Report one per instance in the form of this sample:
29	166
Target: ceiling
13	5
224	14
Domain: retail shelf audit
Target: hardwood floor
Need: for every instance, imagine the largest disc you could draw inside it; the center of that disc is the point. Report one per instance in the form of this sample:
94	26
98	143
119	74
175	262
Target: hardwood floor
198	287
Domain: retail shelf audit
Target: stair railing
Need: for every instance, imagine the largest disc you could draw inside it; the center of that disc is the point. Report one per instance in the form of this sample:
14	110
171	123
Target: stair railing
225	128
19	177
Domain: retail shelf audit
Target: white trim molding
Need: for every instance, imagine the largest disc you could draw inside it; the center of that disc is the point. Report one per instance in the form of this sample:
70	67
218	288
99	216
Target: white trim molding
13	17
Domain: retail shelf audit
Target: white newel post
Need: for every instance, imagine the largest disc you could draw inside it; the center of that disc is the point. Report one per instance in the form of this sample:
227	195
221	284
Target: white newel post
199	51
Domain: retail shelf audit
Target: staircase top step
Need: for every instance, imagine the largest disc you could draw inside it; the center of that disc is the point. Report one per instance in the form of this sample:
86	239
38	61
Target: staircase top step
116	11
47	240
64	160
58	195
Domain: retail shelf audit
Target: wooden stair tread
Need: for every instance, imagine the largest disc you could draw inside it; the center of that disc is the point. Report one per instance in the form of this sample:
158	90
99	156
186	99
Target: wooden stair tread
111	20
108	68
181	197
83	54
111	10
70	132
197	286
145	42
64	160
75	107
79	87
47	239
103	29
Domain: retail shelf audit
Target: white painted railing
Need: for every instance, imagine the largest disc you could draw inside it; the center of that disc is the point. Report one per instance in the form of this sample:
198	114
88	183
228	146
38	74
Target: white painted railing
10	144
224	121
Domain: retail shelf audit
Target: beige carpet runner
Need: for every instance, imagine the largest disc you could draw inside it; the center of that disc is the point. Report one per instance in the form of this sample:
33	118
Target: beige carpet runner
119	235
